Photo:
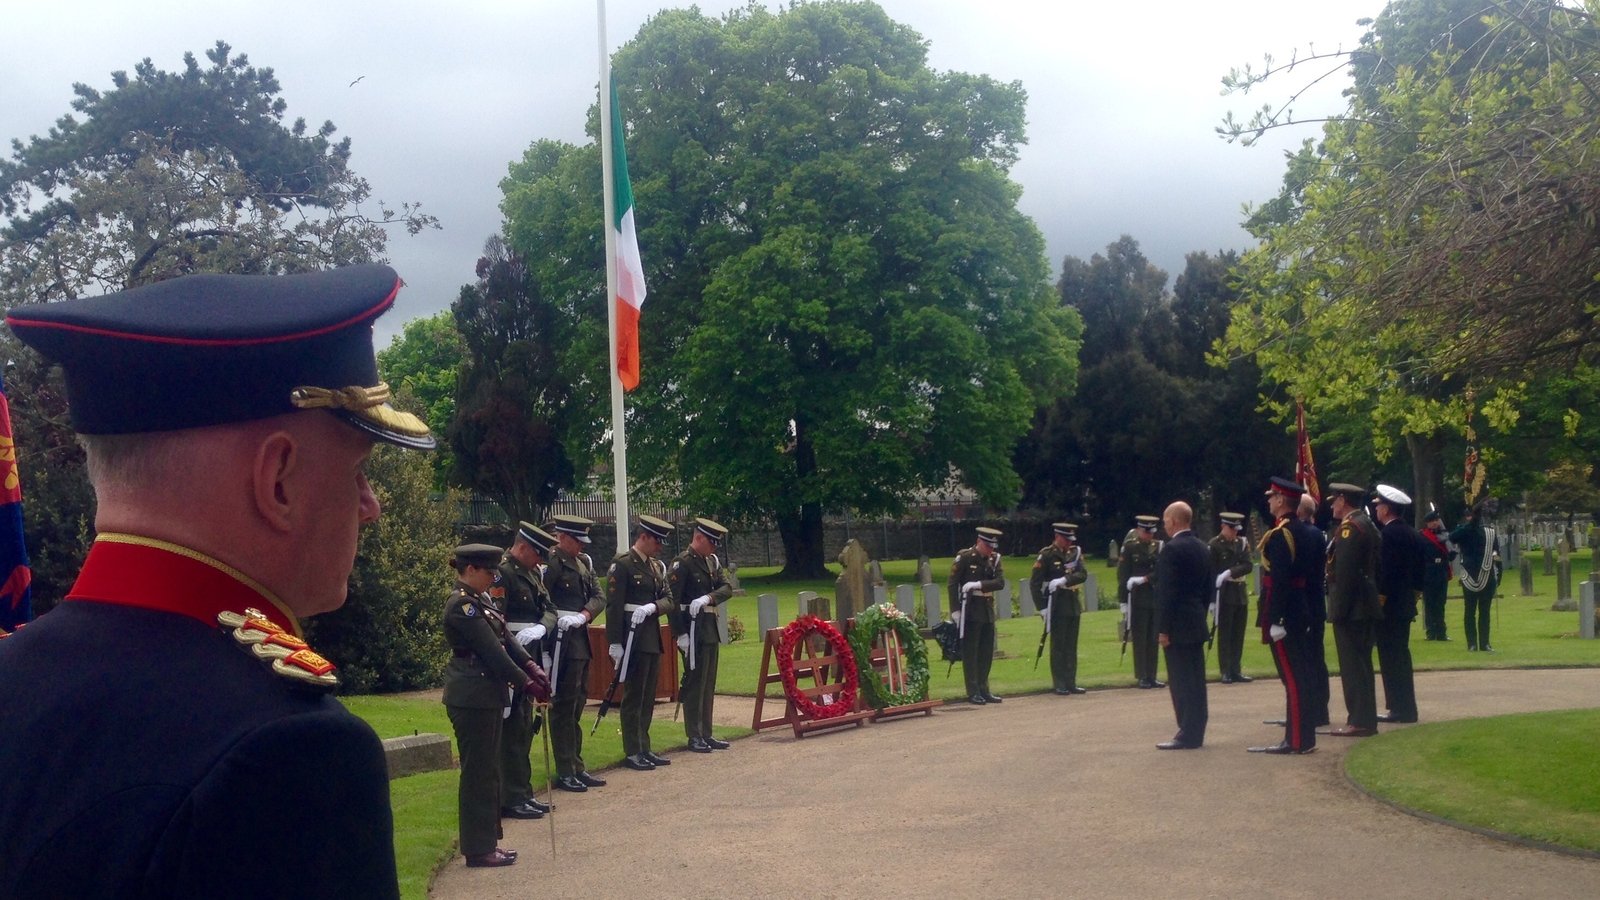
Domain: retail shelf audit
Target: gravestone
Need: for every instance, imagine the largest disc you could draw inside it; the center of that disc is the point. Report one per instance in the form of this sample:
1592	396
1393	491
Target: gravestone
1586	622
731	572
1525	572
1091	593
1513	549
806	598
853	589
1564	599
924	571
875	574
1549	561
766	613
933	604
880	594
1114	553
905	599
415	753
1025	602
722	623
1002	602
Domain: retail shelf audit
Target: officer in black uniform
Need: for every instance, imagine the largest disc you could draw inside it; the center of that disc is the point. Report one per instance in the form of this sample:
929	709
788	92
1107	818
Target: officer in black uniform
699	585
1284	613
1057	572
637	596
487	669
225	419
576	602
974	577
1399	578
1436	560
519	586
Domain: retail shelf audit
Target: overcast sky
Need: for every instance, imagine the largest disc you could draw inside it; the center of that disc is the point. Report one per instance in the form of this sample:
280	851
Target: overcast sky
1122	99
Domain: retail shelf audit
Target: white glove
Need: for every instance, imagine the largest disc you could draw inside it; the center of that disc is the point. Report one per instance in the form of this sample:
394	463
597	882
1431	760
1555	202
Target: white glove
1057	584
643	612
683	643
530	634
1124	608
616	654
971	586
699	603
955	617
570	620
1134	582
1278	633
1222	578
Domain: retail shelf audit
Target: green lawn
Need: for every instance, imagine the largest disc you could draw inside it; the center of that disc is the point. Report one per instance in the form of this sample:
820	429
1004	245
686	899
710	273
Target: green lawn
1534	775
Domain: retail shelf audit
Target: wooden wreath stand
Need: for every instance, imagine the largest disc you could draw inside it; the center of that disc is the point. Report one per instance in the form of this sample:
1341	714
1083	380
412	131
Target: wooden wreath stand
807	663
893	672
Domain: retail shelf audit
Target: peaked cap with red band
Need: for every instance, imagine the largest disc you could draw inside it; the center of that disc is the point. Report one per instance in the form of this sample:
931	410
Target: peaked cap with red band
213	349
1290	489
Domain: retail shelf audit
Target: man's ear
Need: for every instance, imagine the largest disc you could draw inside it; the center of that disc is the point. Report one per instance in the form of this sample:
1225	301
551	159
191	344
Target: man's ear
275	460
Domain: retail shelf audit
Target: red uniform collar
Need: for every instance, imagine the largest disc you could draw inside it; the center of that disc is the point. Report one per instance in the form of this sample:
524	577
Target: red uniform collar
129	570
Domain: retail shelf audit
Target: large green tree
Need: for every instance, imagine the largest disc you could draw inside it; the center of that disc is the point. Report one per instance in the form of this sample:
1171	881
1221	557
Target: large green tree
163	174
425	360
845	305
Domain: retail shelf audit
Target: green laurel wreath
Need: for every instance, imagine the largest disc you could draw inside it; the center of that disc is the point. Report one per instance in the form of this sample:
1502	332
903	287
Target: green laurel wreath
872	622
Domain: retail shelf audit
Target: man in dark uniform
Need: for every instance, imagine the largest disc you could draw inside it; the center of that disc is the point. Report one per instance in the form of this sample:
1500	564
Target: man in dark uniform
575	602
487	669
524	601
1480	573
1230	564
226	420
1057	572
1436	559
699	586
1284	614
1353	607
974	577
1184	587
1399	575
1137	596
1320	686
637	596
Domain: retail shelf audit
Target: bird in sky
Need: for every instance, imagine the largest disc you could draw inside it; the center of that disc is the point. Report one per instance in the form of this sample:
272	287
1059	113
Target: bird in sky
357	81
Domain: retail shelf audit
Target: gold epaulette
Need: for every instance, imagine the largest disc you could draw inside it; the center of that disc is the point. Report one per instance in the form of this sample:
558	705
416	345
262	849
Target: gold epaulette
289	656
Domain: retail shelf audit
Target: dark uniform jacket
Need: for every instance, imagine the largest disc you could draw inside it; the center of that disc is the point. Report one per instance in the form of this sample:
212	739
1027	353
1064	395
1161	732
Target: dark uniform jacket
1184	584
1232	557
148	753
1399	570
1352	571
1285	564
526	599
970	565
1316	572
485	663
1435	559
633	581
572	589
1052	563
1137	558
692	575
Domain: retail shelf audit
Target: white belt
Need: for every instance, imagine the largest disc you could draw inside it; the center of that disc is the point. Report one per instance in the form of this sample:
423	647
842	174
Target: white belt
518	626
630	607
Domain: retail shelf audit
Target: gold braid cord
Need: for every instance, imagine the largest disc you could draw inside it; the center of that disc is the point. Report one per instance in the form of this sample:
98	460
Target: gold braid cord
369	403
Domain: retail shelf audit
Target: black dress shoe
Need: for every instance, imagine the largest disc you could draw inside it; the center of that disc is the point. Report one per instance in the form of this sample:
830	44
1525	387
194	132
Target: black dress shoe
1471	647
1227	679
1177	745
590	780
656	759
492	859
1274	722
571	783
990	698
1146	684
521	811
1242	679
1486	648
716	744
1396	720
1079	690
977	700
1281	748
534	802
698	745
638	763
1067	691
1158	684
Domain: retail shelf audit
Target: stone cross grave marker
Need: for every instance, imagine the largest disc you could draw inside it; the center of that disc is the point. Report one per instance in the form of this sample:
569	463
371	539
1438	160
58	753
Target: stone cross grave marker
924	571
853	588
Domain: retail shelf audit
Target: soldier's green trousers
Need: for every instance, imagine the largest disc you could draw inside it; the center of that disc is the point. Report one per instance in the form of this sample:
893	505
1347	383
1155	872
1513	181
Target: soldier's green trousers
516	744
977	656
1064	620
1230	637
1143	639
699	690
639	701
478	796
566	709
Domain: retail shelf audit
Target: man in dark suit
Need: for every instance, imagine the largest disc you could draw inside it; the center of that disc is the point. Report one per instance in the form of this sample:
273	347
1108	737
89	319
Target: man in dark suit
1399	577
1183	592
226	420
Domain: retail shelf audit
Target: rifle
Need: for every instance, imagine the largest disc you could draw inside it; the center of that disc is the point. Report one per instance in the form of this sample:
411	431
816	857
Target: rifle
1039	653
616	678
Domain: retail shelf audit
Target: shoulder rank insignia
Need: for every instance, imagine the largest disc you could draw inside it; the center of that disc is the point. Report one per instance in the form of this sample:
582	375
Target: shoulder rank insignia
290	656
1344	531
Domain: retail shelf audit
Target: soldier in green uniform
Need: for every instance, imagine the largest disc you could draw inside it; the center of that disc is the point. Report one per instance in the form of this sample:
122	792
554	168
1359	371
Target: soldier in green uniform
974	577
1230	563
486	668
519	585
1354	607
576	601
1137	596
637	596
1057	572
698	585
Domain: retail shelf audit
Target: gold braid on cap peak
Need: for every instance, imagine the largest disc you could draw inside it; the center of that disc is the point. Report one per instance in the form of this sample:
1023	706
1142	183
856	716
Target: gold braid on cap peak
370	403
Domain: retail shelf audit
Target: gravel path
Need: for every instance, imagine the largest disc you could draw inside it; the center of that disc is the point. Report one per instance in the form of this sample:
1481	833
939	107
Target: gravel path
1042	796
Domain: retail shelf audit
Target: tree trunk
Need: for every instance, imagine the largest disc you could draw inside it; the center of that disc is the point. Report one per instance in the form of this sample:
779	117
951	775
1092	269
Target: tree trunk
801	526
1427	472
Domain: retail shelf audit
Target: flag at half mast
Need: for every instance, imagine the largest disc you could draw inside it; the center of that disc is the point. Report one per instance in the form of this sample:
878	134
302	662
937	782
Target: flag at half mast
630	270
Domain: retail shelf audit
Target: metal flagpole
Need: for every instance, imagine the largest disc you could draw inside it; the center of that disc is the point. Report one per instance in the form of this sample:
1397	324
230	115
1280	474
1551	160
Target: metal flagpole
619	438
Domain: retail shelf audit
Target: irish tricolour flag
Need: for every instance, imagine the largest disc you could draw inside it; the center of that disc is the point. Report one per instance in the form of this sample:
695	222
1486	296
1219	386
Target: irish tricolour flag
630	271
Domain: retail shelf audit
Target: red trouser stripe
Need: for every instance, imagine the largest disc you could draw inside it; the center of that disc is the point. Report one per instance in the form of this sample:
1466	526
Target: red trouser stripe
1292	690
